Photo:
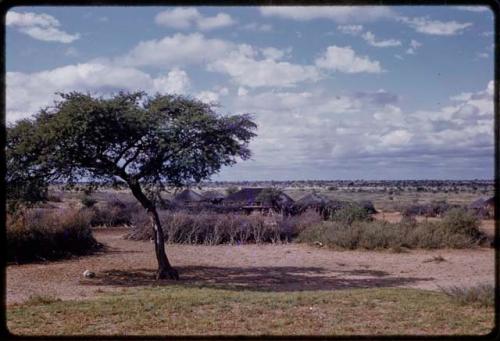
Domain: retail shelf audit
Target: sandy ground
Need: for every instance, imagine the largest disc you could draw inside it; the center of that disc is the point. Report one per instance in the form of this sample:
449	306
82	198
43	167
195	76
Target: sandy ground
289	267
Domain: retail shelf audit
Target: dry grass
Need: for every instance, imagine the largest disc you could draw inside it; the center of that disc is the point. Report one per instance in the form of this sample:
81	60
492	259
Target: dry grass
481	295
183	310
458	229
210	228
42	234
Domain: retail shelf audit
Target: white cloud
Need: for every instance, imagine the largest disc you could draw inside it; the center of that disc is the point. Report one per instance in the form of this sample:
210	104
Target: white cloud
175	82
344	59
369	37
396	138
435	27
371	40
212	97
350	29
274	53
340	14
179	49
28	92
244	67
39	26
414	45
482	55
242	91
208	97
256	27
477	9
185	18
218	21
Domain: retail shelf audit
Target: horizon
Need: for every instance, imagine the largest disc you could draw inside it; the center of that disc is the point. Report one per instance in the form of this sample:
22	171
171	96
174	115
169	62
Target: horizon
341	92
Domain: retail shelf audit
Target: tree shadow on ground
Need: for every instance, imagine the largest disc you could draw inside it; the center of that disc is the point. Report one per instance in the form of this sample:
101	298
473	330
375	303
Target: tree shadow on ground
270	279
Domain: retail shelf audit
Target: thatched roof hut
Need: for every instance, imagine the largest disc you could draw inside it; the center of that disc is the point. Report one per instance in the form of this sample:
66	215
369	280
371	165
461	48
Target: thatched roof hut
214	197
256	197
188	196
484	208
477	204
312	200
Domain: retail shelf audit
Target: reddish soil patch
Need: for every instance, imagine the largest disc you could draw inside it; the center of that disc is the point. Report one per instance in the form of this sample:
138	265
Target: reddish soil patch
288	267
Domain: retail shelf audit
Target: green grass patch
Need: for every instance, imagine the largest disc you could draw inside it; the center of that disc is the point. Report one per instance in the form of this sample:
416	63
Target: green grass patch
181	310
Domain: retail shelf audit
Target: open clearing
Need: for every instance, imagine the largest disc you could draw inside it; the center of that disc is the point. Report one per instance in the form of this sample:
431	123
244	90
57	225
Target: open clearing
290	280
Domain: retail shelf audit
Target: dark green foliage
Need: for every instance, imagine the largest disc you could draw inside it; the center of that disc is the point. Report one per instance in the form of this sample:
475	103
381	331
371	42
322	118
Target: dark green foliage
132	137
47	234
24	183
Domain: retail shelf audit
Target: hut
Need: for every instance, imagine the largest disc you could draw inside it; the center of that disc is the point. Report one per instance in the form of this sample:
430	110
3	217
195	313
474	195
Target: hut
264	200
313	201
484	208
214	197
188	197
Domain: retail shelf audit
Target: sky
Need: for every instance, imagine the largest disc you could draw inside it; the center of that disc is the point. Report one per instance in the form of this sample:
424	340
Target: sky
376	93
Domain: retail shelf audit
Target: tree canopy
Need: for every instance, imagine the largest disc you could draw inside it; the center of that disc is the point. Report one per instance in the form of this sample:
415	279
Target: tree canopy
137	139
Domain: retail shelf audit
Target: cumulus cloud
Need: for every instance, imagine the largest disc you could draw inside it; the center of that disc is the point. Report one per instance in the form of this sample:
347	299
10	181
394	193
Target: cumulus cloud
414	45
175	82
314	130
340	14
477	9
28	92
39	26
371	40
369	37
435	27
246	68
185	18
344	59
350	29
178	49
256	27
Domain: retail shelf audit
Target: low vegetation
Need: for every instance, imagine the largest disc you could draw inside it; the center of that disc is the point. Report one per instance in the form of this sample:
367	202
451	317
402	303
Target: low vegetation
457	229
211	228
176	310
481	295
47	234
114	213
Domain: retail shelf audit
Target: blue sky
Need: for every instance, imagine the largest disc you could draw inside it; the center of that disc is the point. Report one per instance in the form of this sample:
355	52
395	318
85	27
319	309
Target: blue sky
338	92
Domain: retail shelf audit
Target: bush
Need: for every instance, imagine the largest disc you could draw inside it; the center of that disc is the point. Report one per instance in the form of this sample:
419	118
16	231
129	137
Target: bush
351	213
88	201
481	295
292	226
41	234
458	229
212	228
114	213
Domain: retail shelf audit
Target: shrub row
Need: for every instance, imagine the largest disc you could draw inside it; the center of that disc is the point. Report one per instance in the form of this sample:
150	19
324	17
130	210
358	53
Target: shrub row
215	228
48	234
458	229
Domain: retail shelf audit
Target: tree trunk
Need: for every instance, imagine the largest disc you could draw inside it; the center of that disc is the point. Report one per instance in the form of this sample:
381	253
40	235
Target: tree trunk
164	268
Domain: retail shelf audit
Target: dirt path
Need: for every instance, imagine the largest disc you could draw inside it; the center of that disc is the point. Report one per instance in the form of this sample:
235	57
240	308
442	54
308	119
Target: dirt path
289	267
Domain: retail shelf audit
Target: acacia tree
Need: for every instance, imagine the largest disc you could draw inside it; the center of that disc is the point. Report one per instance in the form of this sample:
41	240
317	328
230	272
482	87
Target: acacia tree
142	141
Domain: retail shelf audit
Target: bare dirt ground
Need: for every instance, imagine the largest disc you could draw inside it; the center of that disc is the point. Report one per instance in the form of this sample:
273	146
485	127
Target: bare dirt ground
288	267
